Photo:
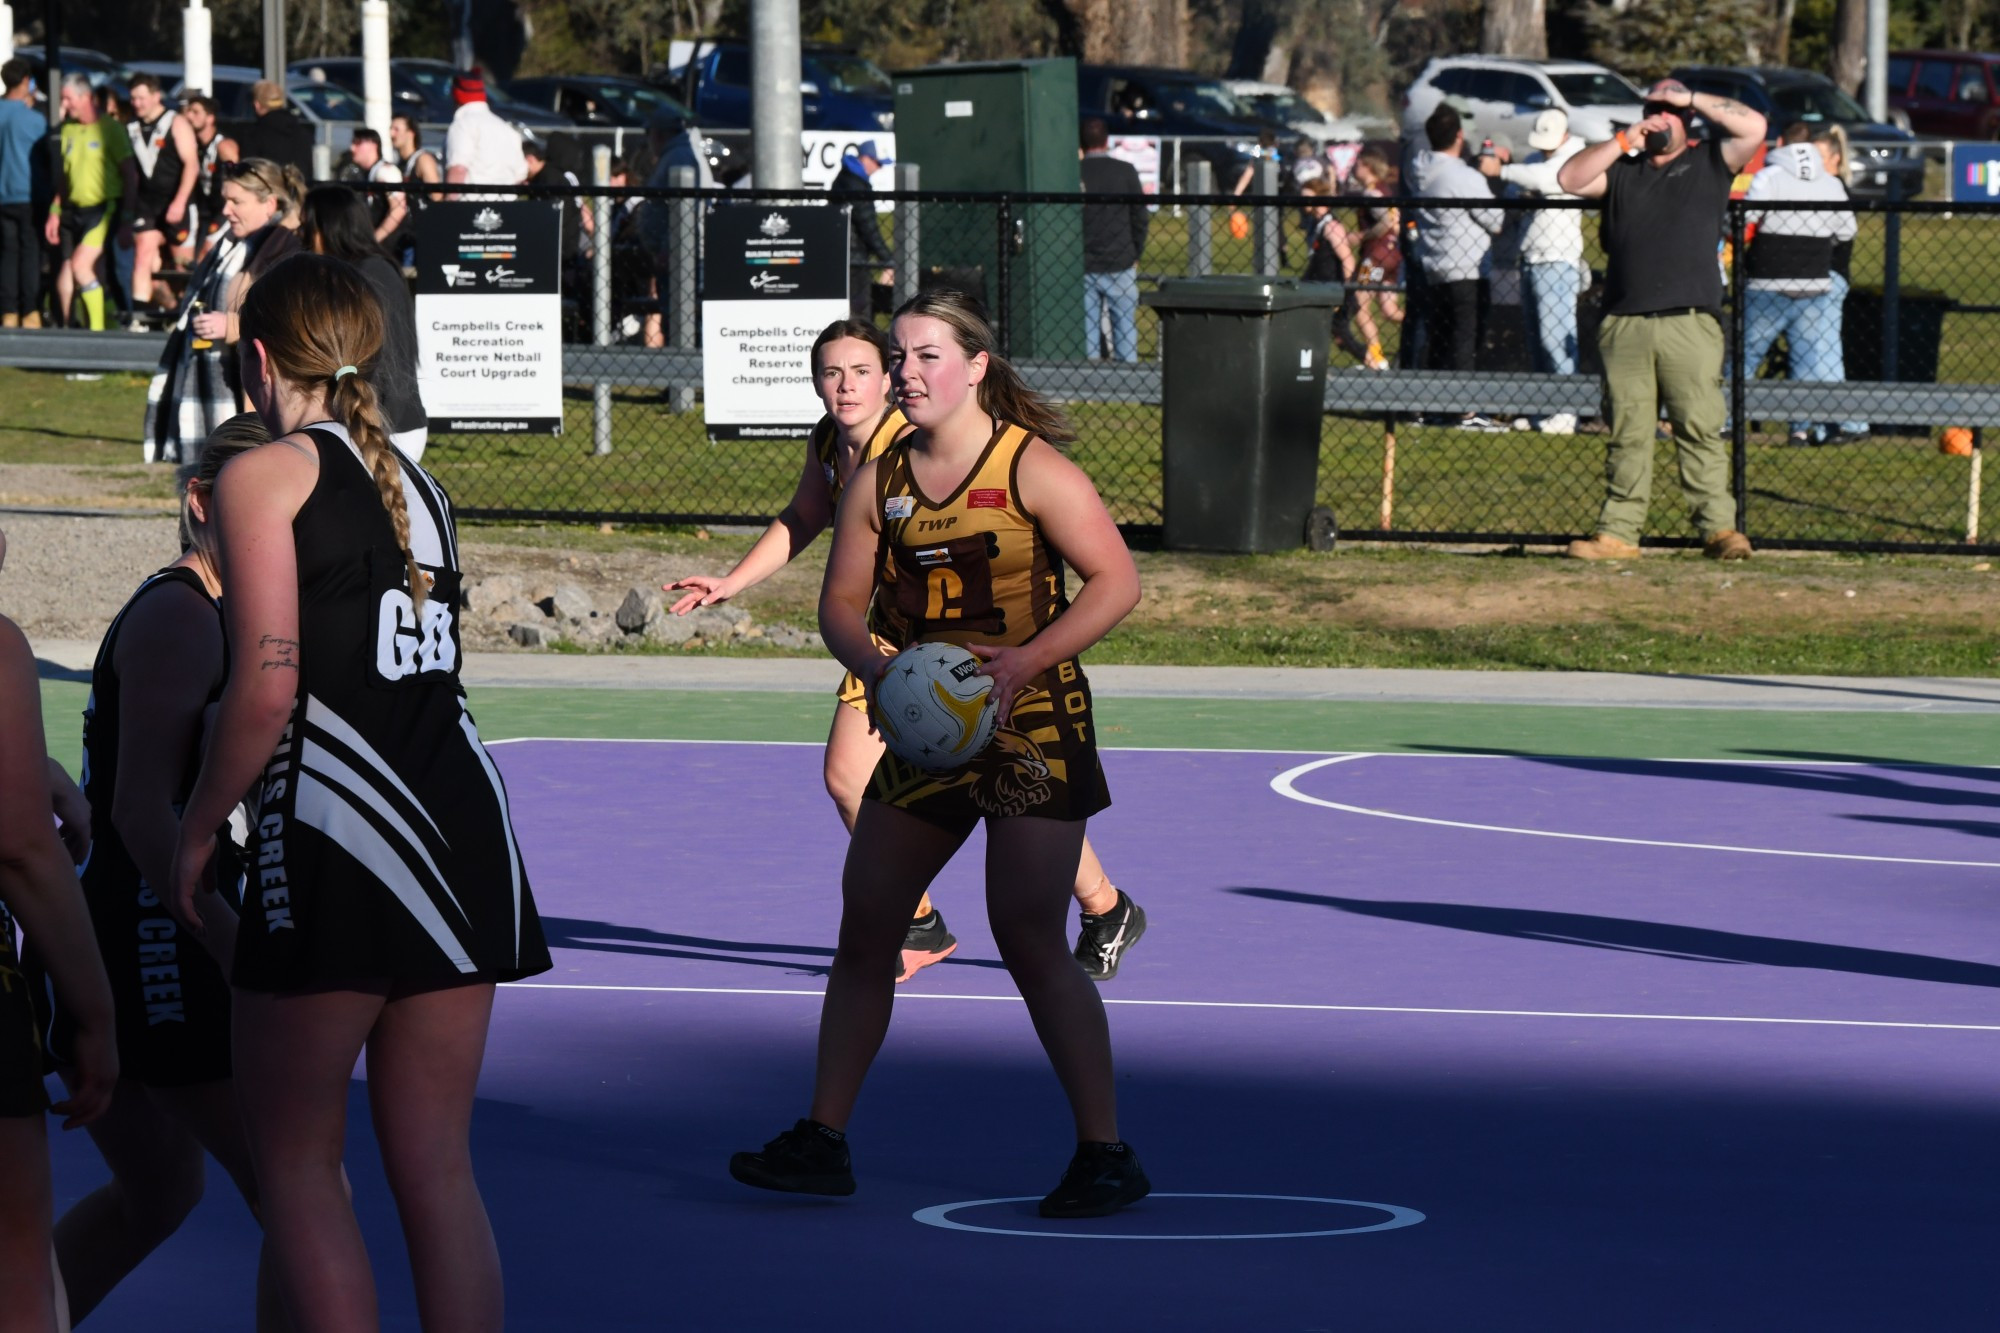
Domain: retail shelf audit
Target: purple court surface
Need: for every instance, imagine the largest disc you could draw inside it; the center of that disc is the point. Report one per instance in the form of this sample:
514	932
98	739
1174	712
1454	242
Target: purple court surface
1414	1042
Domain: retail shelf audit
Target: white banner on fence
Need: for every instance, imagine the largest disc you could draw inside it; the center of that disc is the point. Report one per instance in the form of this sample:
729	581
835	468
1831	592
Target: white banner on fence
489	316
1143	154
774	277
823	150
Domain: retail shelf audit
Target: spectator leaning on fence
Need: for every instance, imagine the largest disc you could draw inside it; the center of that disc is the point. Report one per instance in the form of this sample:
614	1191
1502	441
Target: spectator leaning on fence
1661	339
1552	265
1454	242
480	148
868	256
1788	269
21	132
1114	236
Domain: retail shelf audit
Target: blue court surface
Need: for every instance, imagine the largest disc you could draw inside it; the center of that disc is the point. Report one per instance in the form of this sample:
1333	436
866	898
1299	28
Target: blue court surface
1415	1041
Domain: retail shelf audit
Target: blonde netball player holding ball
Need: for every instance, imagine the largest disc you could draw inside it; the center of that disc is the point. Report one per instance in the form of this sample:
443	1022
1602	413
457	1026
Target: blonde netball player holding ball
982	565
850	360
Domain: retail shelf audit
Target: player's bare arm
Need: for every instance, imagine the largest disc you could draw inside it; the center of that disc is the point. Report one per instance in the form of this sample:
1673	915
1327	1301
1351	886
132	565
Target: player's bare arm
1074	521
850	579
256	498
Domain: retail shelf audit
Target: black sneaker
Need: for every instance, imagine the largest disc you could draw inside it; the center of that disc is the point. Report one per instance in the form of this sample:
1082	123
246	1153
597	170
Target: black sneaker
1104	939
926	942
808	1158
1102	1178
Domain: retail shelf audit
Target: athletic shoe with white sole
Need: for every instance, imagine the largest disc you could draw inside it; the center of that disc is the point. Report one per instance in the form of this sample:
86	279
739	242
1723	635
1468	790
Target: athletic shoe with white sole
926	942
1102	942
808	1158
1102	1178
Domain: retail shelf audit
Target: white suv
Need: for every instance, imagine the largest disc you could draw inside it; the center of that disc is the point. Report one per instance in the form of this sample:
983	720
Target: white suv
1500	96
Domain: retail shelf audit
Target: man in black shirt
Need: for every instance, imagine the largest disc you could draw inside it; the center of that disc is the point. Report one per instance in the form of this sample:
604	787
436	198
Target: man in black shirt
1661	339
868	257
1114	236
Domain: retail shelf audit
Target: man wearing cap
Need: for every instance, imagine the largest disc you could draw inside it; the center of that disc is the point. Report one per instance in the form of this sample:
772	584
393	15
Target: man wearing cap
868	256
278	134
1661	339
481	148
1552	267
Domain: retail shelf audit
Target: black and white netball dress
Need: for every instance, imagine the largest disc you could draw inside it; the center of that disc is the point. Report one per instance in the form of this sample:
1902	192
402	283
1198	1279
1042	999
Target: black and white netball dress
383	849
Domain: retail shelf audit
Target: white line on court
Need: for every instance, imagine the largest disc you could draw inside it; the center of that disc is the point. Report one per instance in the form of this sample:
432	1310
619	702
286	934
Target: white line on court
1307	1008
1283	785
940	1215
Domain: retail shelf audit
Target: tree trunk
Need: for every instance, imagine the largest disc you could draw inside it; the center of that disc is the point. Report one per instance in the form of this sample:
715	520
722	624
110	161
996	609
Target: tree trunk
1849	60
1515	28
1780	41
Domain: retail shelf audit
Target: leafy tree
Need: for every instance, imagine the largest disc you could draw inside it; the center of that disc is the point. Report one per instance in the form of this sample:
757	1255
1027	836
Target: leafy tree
1647	38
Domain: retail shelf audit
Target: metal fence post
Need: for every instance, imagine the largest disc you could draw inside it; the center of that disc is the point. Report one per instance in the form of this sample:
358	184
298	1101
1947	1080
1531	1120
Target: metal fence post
1270	219
1201	231
600	296
1739	429
1892	285
908	248
1003	282
686	251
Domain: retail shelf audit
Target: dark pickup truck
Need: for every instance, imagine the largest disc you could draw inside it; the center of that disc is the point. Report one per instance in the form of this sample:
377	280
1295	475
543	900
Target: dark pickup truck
840	89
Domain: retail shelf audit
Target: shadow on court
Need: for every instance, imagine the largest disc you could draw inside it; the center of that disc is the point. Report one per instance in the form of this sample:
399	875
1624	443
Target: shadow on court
1860	782
1692	944
602	937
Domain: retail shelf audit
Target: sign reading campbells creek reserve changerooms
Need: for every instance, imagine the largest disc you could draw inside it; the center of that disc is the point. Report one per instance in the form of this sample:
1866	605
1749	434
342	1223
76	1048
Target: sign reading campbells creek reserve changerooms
773	278
489	316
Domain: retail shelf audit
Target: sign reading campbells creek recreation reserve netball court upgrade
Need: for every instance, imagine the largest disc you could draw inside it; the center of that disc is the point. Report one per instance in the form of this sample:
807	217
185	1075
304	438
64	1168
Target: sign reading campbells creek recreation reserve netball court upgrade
489	316
774	278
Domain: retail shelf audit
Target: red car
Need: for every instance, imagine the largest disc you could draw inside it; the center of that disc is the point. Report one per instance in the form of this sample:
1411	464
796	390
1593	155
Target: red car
1949	94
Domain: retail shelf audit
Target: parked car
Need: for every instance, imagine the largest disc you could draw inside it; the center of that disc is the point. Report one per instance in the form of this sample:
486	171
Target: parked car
1172	103
840	89
422	88
1278	105
605	100
102	70
1951	94
1498	97
231	86
1885	157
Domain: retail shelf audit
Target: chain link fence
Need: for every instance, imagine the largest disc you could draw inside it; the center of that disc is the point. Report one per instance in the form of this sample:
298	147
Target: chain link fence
1452	411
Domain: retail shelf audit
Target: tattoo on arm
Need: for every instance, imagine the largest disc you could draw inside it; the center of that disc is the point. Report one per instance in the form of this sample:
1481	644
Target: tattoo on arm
279	654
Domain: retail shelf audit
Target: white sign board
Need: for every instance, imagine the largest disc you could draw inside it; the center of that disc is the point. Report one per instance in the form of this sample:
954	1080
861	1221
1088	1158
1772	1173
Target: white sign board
489	317
774	277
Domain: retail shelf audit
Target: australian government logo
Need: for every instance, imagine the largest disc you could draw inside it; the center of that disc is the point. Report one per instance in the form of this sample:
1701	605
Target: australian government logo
486	219
775	226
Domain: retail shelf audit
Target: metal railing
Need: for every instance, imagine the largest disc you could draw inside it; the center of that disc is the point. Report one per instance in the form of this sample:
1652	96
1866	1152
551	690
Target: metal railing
1921	371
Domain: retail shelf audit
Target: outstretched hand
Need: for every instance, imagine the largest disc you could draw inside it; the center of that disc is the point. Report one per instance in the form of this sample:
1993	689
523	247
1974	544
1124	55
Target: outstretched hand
706	591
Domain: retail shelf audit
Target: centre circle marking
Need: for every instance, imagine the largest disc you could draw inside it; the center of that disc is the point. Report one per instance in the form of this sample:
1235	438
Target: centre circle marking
1286	785
940	1216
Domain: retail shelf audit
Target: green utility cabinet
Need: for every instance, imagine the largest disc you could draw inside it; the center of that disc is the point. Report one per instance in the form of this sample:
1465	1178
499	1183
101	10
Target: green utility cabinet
1011	126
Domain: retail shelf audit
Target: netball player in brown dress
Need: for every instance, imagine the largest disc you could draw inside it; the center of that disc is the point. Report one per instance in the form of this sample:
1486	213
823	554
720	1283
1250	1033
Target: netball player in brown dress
963	533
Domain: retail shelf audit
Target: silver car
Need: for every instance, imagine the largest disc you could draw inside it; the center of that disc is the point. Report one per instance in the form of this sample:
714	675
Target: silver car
1499	97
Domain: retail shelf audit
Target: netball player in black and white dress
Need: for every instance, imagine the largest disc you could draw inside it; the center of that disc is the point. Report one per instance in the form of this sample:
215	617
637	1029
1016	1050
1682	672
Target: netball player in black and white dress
38	889
385	892
158	670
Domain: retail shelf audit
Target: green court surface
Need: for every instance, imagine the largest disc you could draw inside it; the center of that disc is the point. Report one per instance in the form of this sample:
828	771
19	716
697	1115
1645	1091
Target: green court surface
1316	726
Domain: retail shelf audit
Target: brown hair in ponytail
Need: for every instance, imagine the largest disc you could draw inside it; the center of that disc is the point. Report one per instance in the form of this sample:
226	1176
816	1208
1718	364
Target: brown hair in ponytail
238	435
1003	393
316	318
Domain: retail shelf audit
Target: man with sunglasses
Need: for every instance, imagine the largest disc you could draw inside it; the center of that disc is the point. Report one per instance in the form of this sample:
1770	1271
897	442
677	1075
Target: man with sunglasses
1661	339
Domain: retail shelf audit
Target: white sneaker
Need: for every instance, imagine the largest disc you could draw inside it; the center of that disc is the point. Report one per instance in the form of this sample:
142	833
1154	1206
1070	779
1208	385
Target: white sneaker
1562	423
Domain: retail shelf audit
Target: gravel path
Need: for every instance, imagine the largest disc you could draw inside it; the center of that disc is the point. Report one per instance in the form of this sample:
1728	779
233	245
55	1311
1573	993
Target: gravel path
66	576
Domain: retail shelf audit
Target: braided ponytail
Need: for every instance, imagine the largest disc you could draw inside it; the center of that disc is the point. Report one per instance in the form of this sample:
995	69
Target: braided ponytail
320	323
354	405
